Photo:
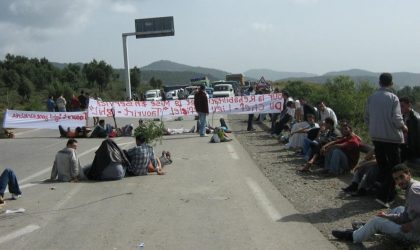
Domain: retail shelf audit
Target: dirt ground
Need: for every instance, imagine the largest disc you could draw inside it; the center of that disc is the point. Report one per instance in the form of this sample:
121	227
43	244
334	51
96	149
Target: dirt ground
316	197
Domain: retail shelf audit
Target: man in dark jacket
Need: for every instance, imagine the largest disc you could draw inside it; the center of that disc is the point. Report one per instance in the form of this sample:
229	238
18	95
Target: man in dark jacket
410	150
201	105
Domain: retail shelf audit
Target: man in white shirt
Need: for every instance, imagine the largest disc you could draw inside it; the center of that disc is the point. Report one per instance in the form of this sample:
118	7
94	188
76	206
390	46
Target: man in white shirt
326	112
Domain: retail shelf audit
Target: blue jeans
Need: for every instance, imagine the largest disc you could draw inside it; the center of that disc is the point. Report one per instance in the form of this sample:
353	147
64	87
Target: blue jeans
8	177
336	161
202	123
384	226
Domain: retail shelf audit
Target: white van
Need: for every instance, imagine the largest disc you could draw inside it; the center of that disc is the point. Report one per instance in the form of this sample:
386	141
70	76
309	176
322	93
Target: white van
153	95
172	95
223	90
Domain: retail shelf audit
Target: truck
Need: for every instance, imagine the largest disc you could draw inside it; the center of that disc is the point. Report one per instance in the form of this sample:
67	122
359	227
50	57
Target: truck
236	77
202	80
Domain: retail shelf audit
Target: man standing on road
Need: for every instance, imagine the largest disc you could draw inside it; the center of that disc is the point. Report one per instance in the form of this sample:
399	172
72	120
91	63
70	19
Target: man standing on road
201	105
50	104
66	164
401	222
385	122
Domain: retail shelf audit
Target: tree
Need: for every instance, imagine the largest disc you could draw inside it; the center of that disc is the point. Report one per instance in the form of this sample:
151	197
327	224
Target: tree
135	77
25	88
98	72
71	74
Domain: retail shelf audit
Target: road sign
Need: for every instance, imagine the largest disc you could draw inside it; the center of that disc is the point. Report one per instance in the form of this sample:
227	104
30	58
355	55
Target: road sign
155	27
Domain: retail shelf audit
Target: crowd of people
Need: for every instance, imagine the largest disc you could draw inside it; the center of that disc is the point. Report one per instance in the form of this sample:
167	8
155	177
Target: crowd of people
315	133
331	147
75	104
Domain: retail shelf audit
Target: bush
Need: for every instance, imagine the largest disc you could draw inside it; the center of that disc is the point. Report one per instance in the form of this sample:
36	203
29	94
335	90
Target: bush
150	130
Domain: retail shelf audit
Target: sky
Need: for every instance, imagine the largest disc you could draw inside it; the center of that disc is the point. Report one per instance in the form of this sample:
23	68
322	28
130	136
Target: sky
314	36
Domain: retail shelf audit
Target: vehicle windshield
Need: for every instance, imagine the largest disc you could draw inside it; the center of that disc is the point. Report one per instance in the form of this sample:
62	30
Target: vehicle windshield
221	88
151	95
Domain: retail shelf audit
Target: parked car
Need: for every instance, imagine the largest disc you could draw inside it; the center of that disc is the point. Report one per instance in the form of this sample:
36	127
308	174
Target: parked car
153	95
223	90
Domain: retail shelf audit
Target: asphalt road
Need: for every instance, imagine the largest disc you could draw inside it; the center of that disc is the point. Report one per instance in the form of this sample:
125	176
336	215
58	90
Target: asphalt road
212	197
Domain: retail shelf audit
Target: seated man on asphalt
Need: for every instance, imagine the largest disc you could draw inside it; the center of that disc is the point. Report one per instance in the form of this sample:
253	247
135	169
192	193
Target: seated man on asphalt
66	164
8	178
329	134
364	174
343	154
141	156
100	130
309	131
401	222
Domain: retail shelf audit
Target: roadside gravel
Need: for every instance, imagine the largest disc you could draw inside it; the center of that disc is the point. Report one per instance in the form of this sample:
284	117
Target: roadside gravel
319	199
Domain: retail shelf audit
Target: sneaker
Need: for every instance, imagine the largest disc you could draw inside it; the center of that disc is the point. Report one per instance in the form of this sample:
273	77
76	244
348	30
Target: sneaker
357	224
16	196
346	235
205	135
351	188
251	129
1	200
385	204
359	193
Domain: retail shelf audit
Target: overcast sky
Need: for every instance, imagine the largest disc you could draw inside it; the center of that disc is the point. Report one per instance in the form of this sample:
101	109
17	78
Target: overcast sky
314	36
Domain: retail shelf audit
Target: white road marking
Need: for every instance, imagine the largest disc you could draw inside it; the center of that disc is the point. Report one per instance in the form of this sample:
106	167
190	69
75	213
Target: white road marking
68	196
262	199
232	152
27	131
44	171
18	233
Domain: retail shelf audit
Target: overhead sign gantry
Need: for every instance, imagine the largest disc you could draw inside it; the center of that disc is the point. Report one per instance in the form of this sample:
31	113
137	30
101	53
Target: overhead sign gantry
145	28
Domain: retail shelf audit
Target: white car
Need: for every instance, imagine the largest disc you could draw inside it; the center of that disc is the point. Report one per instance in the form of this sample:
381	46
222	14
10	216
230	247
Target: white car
153	95
223	90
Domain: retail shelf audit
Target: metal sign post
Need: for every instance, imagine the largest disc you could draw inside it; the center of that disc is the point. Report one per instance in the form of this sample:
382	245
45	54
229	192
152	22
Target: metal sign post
148	27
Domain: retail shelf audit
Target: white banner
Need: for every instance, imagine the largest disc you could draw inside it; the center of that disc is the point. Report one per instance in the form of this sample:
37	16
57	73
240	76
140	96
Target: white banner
48	120
268	103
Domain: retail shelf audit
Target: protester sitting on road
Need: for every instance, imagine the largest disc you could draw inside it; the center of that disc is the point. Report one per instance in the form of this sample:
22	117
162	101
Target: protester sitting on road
285	118
224	126
8	178
343	154
66	164
140	157
109	164
176	131
326	112
329	134
401	222
307	129
219	135
101	130
365	174
79	132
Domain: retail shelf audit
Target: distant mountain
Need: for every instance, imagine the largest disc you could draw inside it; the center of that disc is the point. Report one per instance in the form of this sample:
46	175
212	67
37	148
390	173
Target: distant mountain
165	65
352	72
400	79
275	75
